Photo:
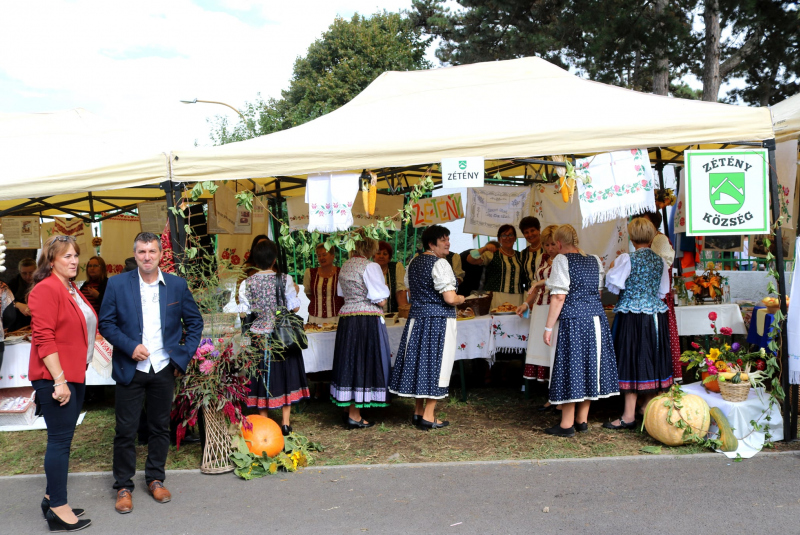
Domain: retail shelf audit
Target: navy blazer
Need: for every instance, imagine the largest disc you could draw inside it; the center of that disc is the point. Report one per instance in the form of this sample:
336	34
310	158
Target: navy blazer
121	322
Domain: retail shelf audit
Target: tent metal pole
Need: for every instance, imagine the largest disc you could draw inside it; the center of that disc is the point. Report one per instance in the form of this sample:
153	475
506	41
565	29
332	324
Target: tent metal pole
660	170
277	226
174	221
789	409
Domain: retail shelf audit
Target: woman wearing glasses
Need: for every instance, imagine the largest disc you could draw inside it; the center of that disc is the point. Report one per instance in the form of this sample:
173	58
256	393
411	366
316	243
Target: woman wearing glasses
503	268
63	328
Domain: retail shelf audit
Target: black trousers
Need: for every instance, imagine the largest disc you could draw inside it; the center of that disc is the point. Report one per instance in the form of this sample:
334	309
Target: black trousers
61	423
158	389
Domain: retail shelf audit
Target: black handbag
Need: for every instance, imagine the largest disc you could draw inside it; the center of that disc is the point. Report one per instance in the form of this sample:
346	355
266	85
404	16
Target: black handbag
288	333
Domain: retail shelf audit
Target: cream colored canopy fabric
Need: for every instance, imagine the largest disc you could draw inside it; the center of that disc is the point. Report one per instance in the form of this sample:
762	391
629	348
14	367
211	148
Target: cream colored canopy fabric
503	109
786	119
71	151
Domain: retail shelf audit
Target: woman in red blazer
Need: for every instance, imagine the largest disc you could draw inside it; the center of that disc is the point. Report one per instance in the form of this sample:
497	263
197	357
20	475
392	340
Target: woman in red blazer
63	327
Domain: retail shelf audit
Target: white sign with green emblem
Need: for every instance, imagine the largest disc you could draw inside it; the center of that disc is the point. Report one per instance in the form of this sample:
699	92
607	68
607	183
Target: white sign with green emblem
727	192
462	172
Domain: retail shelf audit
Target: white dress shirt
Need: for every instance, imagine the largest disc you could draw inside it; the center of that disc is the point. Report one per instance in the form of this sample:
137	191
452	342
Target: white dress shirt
152	338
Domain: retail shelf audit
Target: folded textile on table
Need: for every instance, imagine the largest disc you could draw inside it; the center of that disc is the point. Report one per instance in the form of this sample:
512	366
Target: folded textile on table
621	186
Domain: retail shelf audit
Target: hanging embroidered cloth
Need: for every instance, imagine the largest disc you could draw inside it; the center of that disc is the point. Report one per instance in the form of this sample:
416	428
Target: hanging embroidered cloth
622	186
330	199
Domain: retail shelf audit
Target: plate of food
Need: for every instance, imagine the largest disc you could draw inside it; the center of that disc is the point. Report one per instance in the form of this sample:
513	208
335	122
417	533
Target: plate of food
506	309
316	328
466	314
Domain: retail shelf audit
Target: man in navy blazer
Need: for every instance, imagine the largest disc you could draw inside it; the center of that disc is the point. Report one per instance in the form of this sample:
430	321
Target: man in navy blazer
144	315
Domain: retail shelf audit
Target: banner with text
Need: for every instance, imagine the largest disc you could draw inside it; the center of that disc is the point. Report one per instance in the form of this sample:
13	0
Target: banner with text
437	210
462	172
492	206
727	192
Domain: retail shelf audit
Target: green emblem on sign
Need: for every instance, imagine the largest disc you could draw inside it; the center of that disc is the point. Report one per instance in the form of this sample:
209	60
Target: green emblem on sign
726	192
462	164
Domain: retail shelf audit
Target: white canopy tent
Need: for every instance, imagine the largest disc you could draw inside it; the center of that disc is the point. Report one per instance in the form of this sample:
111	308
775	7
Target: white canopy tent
504	109
71	151
786	119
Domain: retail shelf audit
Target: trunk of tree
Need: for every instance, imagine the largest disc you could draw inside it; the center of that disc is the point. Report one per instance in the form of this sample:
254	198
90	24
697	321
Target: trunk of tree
711	74
661	72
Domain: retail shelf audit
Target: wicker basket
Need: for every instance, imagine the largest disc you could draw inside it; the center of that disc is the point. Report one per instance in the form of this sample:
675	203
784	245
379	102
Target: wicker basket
734	392
479	305
403	311
218	445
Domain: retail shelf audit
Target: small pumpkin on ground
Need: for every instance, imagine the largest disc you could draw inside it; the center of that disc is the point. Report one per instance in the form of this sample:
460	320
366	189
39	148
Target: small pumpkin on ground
265	436
729	441
674	418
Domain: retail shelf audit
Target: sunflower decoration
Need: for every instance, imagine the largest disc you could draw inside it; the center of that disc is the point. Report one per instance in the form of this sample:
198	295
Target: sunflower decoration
665	197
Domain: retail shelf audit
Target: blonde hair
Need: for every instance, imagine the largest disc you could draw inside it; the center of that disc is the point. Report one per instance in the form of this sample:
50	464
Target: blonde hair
548	232
566	235
366	246
641	231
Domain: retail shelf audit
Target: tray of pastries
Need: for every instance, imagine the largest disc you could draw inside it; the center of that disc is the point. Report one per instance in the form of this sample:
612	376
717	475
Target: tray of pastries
316	328
465	314
506	309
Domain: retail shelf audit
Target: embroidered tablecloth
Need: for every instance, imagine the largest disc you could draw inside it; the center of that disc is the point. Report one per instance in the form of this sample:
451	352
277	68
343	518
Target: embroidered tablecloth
509	334
14	371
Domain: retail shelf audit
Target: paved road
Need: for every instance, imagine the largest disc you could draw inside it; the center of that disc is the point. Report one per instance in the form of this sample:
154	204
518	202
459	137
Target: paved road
619	496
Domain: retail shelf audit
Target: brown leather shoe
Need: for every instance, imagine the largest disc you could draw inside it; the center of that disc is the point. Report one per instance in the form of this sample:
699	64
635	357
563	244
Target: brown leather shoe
124	501
159	492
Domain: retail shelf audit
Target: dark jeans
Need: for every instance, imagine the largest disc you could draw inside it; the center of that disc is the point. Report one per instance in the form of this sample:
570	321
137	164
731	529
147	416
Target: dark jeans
60	429
158	389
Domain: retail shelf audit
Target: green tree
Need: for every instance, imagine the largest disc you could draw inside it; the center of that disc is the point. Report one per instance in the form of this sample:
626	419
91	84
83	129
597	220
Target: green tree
338	66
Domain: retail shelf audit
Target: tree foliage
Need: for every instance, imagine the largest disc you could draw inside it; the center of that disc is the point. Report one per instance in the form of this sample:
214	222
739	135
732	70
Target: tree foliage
623	42
337	67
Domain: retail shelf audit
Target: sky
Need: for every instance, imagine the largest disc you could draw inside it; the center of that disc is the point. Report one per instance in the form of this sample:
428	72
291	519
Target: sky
133	62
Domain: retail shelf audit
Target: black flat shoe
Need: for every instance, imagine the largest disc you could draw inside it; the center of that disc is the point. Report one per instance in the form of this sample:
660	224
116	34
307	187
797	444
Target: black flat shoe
360	424
546	408
427	426
622	425
286	429
582	428
416	419
46	507
57	525
559	431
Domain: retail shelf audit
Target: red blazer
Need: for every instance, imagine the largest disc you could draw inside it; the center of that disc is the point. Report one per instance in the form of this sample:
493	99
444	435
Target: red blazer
57	326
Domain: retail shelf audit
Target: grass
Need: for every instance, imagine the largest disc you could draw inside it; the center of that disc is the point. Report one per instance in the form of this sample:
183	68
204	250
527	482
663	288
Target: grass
494	424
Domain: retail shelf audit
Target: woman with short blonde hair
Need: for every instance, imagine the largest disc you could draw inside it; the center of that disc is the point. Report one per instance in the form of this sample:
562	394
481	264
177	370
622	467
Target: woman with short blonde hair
584	367
641	324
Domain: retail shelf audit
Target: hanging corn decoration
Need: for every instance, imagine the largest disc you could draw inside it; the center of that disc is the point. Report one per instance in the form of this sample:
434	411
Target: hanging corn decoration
373	193
365	182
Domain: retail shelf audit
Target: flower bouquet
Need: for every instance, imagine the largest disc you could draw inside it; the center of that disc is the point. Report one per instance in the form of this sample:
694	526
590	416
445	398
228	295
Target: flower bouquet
707	286
729	362
664	197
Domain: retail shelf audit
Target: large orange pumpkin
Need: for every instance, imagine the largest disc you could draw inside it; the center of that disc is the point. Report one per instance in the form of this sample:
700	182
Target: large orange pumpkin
265	436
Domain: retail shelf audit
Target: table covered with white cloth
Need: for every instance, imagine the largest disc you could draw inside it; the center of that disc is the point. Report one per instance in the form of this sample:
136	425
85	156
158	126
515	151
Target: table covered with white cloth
476	339
693	320
14	371
740	414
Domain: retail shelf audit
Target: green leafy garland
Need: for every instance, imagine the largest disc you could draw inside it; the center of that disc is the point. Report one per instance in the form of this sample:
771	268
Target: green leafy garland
297	453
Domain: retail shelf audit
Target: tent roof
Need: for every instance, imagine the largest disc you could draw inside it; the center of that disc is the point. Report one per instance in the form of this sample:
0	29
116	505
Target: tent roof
504	109
786	118
45	154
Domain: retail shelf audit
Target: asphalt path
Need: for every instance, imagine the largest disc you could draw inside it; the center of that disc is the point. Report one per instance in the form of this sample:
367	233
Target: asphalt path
705	493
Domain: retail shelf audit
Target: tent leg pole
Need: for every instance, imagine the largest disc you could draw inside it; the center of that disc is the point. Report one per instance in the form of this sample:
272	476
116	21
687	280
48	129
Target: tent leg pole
175	223
789	408
277	226
660	170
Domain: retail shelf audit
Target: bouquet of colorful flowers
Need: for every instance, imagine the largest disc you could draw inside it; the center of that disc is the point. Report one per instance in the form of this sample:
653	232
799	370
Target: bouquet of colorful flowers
729	361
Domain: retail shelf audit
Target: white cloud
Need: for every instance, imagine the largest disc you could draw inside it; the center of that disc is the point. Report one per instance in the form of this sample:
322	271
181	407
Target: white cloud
133	62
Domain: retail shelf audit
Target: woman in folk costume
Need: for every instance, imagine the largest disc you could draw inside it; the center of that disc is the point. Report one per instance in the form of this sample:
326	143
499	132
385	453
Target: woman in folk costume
584	368
641	333
361	356
539	357
428	348
663	248
394	275
533	255
320	285
503	273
